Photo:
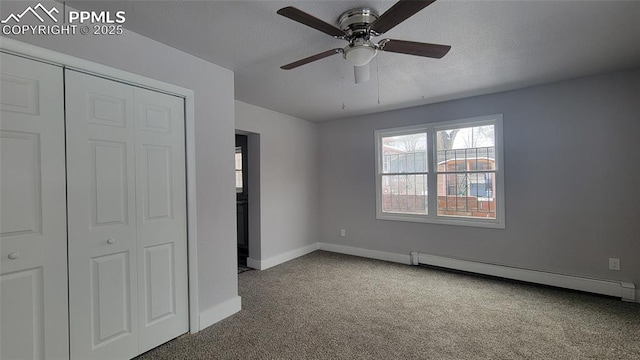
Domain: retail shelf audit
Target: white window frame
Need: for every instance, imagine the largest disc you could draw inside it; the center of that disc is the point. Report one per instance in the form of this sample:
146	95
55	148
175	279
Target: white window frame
431	129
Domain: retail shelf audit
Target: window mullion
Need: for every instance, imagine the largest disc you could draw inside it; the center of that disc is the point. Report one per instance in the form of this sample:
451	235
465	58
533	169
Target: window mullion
468	172
432	161
405	173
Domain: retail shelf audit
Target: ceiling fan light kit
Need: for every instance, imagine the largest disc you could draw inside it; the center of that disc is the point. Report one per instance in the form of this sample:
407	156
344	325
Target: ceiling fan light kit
361	73
358	26
359	55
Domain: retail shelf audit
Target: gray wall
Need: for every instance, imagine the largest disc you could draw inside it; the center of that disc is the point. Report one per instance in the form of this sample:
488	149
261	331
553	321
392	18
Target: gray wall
214	123
572	180
289	189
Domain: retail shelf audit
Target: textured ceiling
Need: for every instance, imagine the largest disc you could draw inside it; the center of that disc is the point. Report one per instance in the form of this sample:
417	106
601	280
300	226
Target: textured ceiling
496	46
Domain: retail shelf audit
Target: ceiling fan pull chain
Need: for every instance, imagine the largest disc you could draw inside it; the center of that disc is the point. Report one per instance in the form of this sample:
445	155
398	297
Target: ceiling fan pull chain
342	83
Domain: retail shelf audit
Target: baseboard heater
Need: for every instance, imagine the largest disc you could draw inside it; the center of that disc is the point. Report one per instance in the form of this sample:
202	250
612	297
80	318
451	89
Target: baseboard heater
624	290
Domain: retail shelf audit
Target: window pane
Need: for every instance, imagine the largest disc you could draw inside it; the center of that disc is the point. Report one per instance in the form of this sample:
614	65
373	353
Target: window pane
238	158
404	153
238	169
239	180
404	194
467	194
471	148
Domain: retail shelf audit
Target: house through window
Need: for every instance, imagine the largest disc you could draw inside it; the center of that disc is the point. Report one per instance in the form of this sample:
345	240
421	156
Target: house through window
460	160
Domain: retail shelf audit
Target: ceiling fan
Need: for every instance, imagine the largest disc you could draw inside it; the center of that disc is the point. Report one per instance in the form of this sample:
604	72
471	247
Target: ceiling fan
358	26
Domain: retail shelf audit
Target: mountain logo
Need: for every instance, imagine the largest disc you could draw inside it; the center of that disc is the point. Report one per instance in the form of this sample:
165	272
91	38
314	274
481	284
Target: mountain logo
34	12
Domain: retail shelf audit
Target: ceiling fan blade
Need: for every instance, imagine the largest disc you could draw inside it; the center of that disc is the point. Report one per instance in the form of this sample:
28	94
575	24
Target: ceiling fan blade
311	21
414	48
315	57
398	13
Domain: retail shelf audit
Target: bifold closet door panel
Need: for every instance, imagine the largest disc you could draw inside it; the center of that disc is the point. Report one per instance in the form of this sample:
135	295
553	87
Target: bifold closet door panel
161	215
33	238
103	280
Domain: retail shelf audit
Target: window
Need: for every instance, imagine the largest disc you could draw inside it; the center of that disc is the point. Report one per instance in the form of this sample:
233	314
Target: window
239	186
459	161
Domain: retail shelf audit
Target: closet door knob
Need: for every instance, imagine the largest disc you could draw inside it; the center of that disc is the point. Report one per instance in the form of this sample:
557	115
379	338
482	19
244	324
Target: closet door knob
14	255
111	241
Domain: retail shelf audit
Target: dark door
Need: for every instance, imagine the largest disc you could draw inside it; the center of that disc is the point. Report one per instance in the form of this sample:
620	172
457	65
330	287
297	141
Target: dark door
242	199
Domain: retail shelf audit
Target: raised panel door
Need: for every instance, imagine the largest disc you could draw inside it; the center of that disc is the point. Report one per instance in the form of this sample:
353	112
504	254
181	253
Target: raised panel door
102	218
33	238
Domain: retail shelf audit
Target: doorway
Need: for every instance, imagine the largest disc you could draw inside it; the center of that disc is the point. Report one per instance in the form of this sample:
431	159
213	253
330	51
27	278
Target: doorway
242	201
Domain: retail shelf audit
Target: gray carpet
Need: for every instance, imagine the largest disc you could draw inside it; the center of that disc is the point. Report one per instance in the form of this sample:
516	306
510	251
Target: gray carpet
242	268
333	306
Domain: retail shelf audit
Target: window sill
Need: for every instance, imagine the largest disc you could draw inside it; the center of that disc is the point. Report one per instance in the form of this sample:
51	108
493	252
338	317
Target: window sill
491	224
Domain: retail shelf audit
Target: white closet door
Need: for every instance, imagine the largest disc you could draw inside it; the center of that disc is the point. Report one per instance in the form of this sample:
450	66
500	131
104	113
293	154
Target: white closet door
103	280
127	217
161	214
33	239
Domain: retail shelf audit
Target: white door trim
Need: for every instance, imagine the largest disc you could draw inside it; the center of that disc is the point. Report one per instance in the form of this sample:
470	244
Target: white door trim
37	53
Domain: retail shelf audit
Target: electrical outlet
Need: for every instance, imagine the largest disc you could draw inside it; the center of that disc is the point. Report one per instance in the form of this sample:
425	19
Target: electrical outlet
614	264
343	232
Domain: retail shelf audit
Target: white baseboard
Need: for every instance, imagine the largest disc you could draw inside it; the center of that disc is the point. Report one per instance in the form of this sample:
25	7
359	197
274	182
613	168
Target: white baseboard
282	258
253	263
626	291
372	254
220	312
623	290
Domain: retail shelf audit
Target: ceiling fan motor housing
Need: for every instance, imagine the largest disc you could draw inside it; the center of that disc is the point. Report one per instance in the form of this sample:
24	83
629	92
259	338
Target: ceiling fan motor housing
355	23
